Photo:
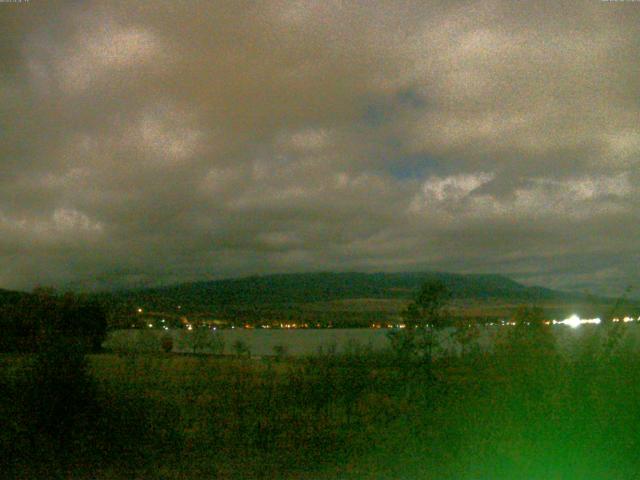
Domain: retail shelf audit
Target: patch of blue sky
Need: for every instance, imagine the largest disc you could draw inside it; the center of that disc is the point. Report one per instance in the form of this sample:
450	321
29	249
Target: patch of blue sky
408	97
376	114
411	166
380	111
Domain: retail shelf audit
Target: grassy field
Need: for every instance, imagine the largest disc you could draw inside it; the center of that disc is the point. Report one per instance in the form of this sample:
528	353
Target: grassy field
521	413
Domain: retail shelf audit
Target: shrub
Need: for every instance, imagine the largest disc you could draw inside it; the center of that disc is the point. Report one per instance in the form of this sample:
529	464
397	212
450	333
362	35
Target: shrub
166	343
280	352
466	335
202	339
529	343
59	388
146	340
241	348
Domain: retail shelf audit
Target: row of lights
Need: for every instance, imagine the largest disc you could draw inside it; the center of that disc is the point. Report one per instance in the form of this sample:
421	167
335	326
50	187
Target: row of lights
625	320
574	321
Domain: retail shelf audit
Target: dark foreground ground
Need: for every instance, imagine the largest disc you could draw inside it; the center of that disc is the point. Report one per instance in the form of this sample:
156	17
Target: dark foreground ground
521	413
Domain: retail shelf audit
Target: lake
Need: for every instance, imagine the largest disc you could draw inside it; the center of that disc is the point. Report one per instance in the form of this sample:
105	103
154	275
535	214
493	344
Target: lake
309	341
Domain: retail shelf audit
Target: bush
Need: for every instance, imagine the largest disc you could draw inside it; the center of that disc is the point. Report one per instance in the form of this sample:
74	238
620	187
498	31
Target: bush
466	335
59	388
146	340
166	342
202	339
241	348
280	352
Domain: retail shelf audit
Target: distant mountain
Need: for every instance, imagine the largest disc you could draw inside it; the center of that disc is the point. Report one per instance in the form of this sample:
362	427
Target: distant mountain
338	299
314	287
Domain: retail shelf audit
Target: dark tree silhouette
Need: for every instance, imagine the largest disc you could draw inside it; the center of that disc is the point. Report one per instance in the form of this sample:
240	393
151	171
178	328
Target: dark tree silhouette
44	317
422	318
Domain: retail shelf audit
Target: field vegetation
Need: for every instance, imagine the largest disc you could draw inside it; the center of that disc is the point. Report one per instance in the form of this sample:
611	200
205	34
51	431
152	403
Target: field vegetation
523	410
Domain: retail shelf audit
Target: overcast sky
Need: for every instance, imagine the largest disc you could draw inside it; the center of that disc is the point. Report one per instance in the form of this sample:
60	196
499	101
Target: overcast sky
146	142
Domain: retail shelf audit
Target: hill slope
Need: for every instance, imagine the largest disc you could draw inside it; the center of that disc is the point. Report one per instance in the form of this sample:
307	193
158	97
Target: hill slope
314	287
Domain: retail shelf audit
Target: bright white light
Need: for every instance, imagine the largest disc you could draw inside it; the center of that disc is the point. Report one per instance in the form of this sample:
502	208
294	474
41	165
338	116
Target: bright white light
627	319
573	321
139	310
151	325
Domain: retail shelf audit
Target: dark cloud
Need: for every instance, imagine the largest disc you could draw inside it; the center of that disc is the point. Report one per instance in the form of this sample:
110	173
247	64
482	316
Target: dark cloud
154	142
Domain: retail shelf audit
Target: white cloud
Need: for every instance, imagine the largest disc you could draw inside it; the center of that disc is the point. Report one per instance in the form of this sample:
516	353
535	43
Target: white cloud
65	219
97	53
307	140
448	189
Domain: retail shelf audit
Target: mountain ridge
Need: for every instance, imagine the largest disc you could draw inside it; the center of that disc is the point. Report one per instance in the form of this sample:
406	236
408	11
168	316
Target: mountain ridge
292	288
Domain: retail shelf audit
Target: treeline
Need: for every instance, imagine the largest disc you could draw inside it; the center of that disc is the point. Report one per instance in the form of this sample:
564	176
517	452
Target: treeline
31	321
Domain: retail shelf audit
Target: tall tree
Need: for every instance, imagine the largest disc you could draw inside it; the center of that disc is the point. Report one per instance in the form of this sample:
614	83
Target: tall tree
44	317
423	317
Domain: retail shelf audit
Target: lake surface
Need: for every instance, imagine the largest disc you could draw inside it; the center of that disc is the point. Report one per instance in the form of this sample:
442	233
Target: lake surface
309	341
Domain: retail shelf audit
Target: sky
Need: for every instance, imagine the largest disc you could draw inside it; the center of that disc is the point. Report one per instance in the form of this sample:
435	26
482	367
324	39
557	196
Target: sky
146	143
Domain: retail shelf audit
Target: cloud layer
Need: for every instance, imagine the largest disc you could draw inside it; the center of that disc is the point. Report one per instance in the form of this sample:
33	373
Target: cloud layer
167	141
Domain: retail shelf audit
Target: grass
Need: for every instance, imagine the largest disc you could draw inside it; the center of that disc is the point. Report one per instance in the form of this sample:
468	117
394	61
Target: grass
354	415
